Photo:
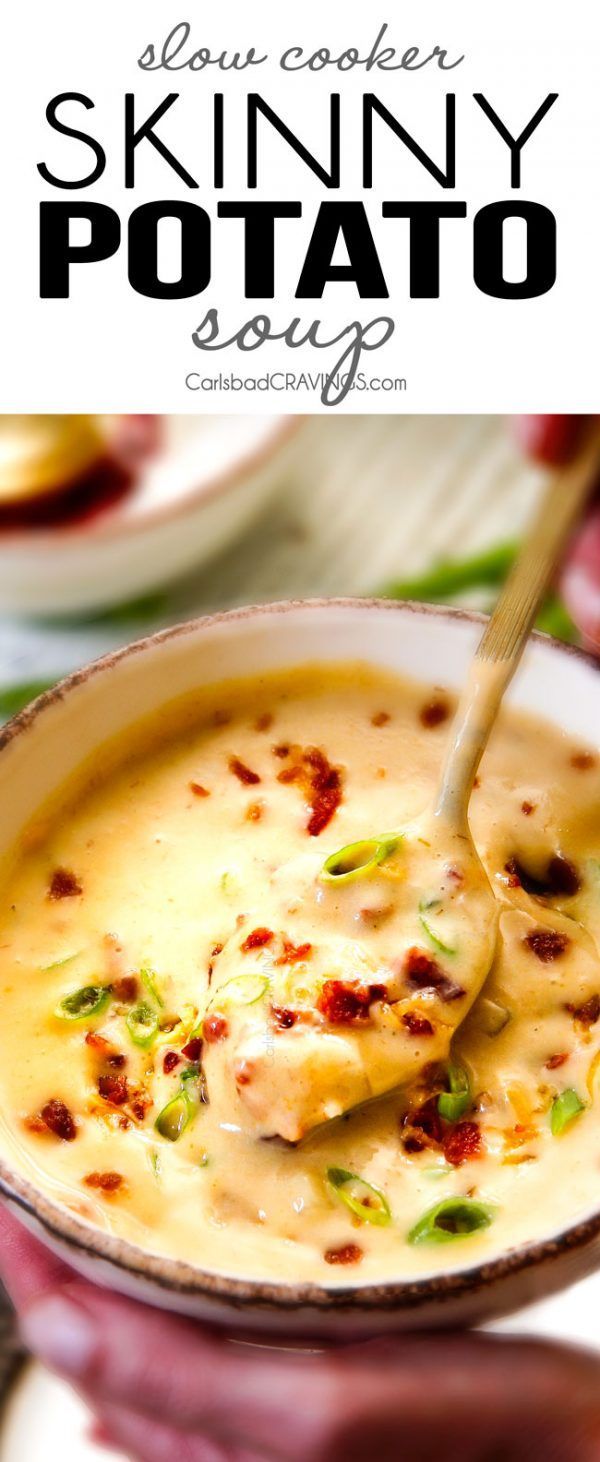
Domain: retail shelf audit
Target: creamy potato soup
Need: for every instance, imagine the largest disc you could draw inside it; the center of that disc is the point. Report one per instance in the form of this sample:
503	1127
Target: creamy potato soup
252	1020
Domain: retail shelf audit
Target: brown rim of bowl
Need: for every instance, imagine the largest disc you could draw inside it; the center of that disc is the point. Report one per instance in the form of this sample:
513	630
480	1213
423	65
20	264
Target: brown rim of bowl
283	429
184	1279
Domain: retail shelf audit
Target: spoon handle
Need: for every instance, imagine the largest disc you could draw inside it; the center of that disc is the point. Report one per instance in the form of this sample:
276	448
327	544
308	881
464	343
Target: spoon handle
506	633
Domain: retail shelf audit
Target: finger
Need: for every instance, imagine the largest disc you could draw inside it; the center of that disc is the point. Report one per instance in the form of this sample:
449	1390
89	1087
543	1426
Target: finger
549	439
27	1268
303	1405
144	1441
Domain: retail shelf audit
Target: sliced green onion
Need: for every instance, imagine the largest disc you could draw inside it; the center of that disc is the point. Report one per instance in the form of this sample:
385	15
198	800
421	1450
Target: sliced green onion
367	1202
155	1164
243	989
174	1118
565	1108
58	963
453	1218
142	1024
83	1004
193	1083
434	938
453	1103
149	980
358	859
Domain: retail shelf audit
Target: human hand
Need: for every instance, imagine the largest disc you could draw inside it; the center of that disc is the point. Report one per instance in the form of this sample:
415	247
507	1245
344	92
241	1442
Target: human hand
552	439
164	1387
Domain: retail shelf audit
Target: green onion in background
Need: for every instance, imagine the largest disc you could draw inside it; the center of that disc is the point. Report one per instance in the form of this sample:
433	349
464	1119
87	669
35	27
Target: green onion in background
14	698
487	571
365	1201
565	1108
453	1218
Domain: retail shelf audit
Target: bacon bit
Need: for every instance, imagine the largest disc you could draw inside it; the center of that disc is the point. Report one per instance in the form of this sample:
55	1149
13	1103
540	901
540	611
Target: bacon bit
64	885
244	774
346	1254
422	1127
98	1042
108	1182
321	783
325	791
527	808
423	973
343	1002
553	1062
35	1124
561	877
199	790
257	939
546	944
380	718
193	1049
243	1073
117	1061
587	1013
289	774
282	750
171	1060
462	1142
284	1019
140	1106
59	1120
511	868
114	1089
417	1025
293	954
254	811
263	722
215	1028
375	917
126	989
215	952
434	712
583	760
454	875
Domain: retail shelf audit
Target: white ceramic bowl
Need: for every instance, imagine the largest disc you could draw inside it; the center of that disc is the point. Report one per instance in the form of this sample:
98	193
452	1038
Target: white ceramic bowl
209	477
41	747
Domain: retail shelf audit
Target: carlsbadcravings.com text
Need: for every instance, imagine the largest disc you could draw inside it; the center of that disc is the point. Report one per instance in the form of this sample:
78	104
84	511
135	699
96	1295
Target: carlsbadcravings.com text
312	381
336	163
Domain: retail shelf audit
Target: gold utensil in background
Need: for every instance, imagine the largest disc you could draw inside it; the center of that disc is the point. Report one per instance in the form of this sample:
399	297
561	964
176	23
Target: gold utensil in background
44	455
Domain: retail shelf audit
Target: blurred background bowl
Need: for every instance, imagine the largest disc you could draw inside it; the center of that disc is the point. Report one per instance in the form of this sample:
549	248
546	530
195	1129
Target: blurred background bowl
206	480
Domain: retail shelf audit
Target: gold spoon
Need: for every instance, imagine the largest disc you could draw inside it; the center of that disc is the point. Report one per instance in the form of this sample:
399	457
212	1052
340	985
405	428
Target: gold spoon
444	929
507	632
43	455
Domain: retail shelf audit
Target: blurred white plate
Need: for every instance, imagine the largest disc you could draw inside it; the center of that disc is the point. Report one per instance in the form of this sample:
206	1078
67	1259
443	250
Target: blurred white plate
210	476
44	1419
